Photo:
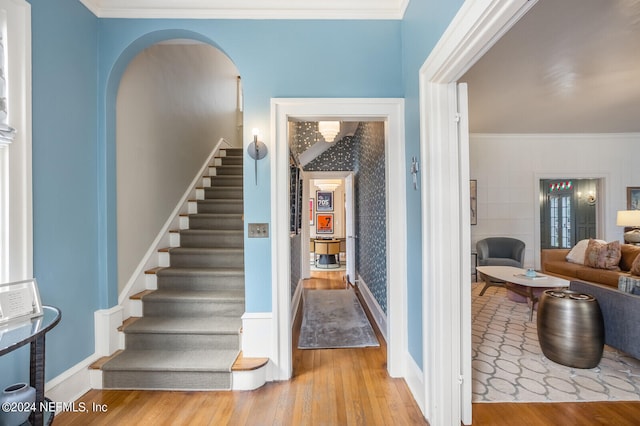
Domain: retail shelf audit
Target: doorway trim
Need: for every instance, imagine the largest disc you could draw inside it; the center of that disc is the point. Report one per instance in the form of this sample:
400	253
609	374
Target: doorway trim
391	111
446	309
306	231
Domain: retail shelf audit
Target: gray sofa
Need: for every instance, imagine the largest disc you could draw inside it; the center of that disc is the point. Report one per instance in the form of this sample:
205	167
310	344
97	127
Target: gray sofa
621	314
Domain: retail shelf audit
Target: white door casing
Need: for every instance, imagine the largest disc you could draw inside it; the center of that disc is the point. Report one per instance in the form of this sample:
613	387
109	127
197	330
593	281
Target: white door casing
391	111
474	29
350	227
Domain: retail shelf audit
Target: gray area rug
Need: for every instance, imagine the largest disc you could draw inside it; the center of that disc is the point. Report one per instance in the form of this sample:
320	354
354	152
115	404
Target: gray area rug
334	319
508	364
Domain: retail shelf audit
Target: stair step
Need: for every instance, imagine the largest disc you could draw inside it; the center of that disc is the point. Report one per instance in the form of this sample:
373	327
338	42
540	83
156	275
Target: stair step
224	181
165	369
204	303
231	160
211	238
229	170
219	221
223	192
206	257
220	205
231	152
128	322
184	333
243	363
188	337
173	278
100	362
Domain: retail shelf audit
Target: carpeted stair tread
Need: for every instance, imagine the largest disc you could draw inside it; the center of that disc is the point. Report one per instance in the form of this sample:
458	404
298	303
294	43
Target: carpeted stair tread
172	325
214	272
173	360
220	205
205	250
213	231
217	215
197	296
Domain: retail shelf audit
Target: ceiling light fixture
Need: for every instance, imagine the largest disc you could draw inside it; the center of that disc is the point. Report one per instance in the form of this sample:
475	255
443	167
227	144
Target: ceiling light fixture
329	130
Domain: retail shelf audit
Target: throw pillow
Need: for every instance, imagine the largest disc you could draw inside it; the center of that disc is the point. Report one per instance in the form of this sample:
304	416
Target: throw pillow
603	256
635	266
576	255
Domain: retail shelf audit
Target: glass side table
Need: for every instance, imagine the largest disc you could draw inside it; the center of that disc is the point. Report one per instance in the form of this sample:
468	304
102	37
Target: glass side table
17	334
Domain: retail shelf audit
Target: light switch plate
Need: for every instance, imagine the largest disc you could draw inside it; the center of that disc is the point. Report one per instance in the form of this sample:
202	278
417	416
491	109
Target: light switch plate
258	230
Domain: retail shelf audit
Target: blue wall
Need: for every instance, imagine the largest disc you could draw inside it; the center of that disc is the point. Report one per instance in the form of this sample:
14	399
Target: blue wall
65	215
77	64
423	24
275	59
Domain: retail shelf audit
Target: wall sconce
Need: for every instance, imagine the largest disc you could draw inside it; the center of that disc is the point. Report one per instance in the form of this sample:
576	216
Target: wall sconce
329	130
630	218
256	150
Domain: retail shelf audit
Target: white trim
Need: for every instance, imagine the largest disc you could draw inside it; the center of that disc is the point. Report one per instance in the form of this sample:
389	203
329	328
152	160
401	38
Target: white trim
474	29
295	301
392	111
374	307
249	380
72	383
257	330
415	381
106	324
249	9
17	229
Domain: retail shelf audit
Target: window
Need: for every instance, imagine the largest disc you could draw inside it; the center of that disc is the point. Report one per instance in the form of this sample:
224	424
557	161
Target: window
16	234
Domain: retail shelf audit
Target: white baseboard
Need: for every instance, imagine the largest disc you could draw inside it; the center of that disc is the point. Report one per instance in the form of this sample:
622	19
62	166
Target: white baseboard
257	338
415	381
108	339
295	302
72	383
257	330
378	314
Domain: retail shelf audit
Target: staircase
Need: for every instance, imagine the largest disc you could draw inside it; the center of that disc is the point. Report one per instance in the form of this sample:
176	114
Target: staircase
189	335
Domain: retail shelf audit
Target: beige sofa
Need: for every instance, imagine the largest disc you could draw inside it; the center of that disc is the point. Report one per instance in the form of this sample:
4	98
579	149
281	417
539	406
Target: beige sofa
554	262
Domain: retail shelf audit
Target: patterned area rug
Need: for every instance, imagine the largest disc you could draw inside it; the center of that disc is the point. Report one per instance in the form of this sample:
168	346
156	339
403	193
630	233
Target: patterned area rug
334	319
508	364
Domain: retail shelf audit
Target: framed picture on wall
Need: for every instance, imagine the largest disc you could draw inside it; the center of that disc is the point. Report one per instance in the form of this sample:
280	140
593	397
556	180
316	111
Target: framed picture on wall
633	197
311	215
324	201
473	192
324	223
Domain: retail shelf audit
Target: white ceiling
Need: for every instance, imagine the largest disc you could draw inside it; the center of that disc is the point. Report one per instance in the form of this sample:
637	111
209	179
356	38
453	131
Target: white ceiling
568	66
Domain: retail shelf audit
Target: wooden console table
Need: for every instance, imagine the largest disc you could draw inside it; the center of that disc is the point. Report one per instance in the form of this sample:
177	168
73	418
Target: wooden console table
32	331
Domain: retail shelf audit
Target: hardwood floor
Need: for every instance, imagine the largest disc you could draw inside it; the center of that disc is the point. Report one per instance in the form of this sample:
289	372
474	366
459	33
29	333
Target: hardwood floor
329	387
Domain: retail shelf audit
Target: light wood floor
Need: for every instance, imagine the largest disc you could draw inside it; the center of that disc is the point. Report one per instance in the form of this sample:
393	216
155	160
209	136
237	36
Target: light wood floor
329	387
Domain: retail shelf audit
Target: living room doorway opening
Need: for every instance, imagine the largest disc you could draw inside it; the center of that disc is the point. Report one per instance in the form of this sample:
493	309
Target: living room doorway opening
568	211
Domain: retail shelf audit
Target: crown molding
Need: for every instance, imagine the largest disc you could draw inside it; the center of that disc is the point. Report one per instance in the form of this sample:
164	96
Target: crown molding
249	9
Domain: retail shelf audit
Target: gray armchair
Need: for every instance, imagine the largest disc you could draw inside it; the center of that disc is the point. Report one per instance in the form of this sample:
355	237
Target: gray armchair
499	251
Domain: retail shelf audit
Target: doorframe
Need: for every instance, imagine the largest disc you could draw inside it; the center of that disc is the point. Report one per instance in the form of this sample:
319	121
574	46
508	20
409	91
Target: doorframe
445	228
306	231
391	111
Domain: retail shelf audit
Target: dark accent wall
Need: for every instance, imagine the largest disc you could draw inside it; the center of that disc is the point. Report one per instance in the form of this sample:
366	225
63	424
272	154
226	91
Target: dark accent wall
294	247
340	157
371	213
